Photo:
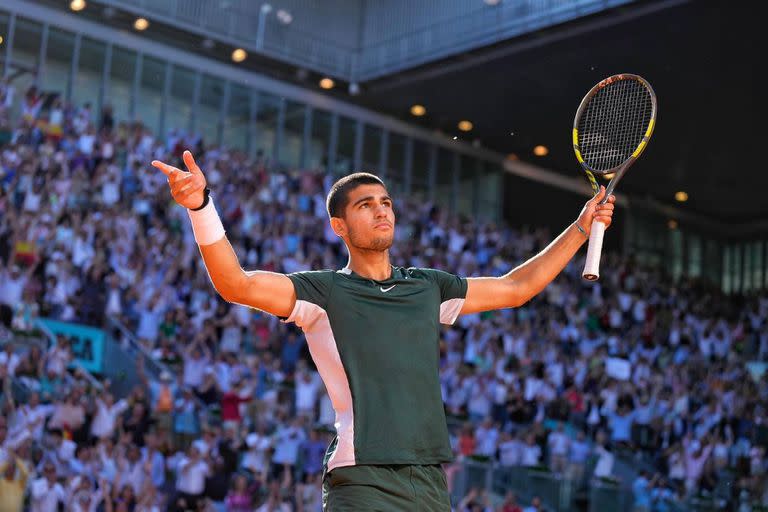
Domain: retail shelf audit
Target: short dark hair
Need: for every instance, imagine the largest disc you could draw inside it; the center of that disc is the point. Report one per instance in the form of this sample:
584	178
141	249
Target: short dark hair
338	196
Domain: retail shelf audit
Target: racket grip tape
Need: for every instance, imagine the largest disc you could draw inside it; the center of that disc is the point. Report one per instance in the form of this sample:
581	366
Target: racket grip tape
595	248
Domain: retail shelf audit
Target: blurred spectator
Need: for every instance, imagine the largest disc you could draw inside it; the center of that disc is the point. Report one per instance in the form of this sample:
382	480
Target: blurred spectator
13	483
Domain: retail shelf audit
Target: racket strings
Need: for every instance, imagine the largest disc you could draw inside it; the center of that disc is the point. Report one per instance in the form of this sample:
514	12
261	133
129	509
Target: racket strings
614	123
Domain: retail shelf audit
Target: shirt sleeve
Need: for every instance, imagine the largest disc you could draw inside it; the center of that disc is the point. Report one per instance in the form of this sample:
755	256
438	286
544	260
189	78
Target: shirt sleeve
453	292
313	289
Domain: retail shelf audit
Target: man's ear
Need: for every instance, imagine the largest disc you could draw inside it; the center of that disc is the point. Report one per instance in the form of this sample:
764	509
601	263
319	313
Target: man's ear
339	226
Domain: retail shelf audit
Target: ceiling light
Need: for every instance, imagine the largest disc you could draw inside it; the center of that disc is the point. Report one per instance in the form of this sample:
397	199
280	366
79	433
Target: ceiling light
540	150
140	24
672	224
327	83
239	55
418	110
681	196
1	39
77	5
284	16
465	125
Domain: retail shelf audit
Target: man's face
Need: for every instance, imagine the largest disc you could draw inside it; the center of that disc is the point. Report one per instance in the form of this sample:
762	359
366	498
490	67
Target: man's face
369	220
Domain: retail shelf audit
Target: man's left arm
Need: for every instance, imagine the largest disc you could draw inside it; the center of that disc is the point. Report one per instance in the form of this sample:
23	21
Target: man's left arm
524	282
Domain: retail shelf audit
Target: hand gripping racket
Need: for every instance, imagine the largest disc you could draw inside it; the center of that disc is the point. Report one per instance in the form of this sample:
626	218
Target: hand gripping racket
611	129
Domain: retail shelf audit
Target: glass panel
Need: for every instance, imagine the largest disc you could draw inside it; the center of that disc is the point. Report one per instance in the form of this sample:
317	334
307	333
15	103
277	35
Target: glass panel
713	265
345	150
736	268
4	21
58	61
466	186
293	134
757	265
371	148
694	255
209	110
319	140
266	124
489	184
121	73
237	122
444	179
151	93
179	109
395	163
746	285
24	65
87	85
676	248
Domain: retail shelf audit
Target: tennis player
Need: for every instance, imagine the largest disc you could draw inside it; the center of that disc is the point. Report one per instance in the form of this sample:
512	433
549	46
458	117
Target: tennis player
372	330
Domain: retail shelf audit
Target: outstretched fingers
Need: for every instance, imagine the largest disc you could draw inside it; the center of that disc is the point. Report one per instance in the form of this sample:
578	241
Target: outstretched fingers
166	169
189	161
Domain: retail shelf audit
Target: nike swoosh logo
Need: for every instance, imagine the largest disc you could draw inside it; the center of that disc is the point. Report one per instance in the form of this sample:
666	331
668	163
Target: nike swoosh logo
385	290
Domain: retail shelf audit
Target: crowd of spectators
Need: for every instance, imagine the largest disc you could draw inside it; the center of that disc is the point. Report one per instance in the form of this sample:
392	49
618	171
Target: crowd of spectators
240	419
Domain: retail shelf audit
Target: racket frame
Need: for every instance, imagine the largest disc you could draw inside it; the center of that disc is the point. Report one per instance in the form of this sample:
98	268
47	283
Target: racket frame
591	267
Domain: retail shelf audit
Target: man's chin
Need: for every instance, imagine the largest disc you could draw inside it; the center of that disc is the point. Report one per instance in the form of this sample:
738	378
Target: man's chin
381	243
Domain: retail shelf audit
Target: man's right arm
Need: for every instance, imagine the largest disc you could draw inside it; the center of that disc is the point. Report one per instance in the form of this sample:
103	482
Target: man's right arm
268	291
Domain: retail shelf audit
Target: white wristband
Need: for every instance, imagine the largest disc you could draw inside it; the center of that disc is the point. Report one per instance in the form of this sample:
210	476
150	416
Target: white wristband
206	224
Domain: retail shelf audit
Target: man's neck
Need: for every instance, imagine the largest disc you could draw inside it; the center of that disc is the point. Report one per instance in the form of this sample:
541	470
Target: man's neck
370	264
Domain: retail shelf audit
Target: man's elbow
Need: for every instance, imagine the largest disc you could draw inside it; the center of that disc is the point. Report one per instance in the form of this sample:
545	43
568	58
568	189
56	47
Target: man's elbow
516	295
230	290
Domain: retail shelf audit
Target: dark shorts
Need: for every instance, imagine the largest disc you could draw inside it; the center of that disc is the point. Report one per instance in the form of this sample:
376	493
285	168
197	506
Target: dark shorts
386	488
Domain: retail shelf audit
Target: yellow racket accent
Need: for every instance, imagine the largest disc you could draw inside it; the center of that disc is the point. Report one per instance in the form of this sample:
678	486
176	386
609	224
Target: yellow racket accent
639	148
650	127
576	146
593	182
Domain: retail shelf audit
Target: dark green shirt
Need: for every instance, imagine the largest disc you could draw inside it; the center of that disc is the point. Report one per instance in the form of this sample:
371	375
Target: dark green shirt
375	344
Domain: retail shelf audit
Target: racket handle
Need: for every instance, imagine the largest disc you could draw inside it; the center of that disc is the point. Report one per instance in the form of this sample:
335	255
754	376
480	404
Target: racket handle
595	248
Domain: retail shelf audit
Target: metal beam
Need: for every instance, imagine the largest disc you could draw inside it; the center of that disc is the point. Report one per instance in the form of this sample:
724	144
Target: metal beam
136	89
197	88
39	75
225	98
332	143
9	45
74	65
105	75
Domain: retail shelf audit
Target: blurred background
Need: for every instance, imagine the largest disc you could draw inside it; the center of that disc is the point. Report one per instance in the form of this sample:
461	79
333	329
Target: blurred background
121	366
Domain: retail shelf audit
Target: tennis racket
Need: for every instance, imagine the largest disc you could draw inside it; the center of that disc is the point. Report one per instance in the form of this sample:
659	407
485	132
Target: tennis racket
612	127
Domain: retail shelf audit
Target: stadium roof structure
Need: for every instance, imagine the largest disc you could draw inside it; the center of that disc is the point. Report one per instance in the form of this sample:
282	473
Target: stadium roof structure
702	59
360	40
